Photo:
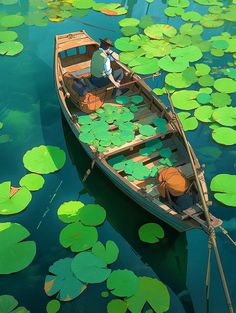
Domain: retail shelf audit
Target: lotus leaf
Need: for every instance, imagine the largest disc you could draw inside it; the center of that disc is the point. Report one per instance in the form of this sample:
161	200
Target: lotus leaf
8	36
108	253
165	152
8	304
215	10
220	44
32	182
137	99
225	85
140	39
62	282
177	80
12	20
122	283
78	237
214	126
113	12
87	137
190	29
159	31
230	72
15	254
191	53
44	159
141	172
146	21
188	122
177	65
144	65
156	48
13	203
174	11
189	75
224	135
232	45
225	116
204	113
161	125
159	91
129	30
83	4
92	214
219	99
84	120
178	3
191	16
224	186
206	80
89	268
53	306
151	233
125	44
126	57
203	98
150	290
205	90
211	21
181	40
68	212
202	69
147	130
117	305
129	22
209	2
11	48
185	99
217	52
36	19
122	100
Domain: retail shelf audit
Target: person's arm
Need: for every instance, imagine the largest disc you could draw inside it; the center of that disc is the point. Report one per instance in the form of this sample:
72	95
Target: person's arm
108	72
113	55
115	83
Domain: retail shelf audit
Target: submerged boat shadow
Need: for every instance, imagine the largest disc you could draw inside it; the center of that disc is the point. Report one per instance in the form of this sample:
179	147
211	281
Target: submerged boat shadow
169	257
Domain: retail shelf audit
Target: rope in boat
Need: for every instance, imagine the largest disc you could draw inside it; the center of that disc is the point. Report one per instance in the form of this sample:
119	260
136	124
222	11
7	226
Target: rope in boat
225	232
211	229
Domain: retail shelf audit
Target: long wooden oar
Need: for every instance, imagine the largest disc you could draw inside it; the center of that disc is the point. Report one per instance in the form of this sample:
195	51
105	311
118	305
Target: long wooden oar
212	235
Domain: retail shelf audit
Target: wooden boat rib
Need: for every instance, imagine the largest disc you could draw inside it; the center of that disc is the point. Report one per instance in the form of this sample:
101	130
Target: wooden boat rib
73	53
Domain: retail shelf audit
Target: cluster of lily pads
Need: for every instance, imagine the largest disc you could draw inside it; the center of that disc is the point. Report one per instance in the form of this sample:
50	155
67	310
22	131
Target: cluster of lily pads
92	264
95	129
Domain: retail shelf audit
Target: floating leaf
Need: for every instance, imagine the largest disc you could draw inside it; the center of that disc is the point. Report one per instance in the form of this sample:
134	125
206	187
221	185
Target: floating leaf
147	130
206	80
230	72
12	244
204	113
53	306
225	85
11	20
62	282
177	65
92	214
69	211
188	122
108	253
11	48
78	237
129	22
203	98
83	4
84	120
178	3
9	303
159	31
177	80
144	65
191	53
150	290
129	30
8	36
225	136
125	44
202	69
44	159
146	21
156	48
191	16
122	100
13	204
174	11
181	40
32	182
151	233
137	99
190	29
211	21
89	268
219	99
122	283
185	99
117	305
224	186
225	116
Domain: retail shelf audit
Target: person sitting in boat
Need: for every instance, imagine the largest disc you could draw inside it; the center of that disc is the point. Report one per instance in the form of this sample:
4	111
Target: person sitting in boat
101	71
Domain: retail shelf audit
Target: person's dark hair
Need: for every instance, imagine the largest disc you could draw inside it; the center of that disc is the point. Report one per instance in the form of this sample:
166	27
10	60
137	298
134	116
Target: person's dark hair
104	45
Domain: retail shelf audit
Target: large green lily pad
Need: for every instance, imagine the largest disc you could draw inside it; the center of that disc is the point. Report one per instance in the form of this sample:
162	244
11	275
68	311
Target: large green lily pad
89	268
44	159
211	21
203	98
147	130
11	48
78	237
8	304
225	85
92	214
129	30
188	122
191	16
191	53
159	31
125	44
122	283
13	204
219	99
129	21
156	48
108	253
178	3
144	65
224	188
152	291
173	11
177	80
83	4
225	116
63	283
202	69
117	305
224	135
204	113
177	65
151	233
181	40
68	212
15	253
185	99
32	181
190	29
8	35
206	80
12	20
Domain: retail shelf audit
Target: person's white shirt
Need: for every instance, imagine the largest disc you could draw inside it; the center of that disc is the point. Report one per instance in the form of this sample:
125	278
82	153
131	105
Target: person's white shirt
107	65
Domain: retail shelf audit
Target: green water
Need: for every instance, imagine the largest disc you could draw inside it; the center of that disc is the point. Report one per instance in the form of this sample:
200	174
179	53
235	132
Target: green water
31	116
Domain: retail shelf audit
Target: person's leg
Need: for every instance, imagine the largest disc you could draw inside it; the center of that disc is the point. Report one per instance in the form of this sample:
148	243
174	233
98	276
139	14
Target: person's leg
118	75
100	82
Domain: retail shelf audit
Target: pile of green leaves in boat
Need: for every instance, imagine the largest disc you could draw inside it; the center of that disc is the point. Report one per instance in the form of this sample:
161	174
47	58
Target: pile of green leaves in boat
93	264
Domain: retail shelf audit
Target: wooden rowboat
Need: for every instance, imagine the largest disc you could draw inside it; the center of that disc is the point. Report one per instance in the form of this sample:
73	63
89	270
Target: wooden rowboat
73	54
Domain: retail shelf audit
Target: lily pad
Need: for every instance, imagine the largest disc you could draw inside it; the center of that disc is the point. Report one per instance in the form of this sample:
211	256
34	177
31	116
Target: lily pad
129	22
156	48
202	69
219	99
224	135
122	100
206	80
122	283
125	44
224	188
178	3
147	130
85	120
69	211
13	203
204	113
63	283
108	253
146	21
89	268
53	306
78	237
117	305
191	53
150	290
185	99
225	116
177	65
188	122
203	98
32	182
181	40
12	236
173	11
44	159
8	35
190	29
83	4
225	85
144	65
151	233
211	21
137	99
129	30
191	16
8	304
177	80
159	31
12	20
11	48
